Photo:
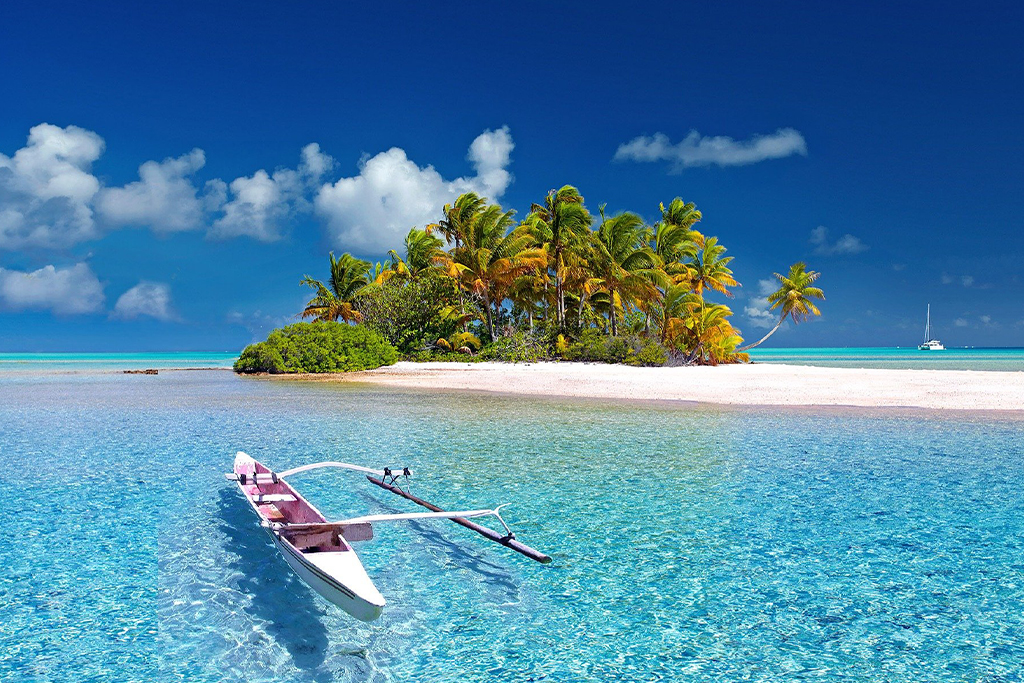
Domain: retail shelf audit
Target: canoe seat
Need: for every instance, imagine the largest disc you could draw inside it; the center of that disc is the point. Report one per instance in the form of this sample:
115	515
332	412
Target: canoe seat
265	498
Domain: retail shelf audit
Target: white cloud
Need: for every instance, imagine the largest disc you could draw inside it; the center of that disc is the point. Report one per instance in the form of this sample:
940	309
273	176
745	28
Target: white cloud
146	298
62	290
164	198
262	202
720	150
847	244
46	188
372	211
967	280
960	322
759	315
766	287
985	319
947	279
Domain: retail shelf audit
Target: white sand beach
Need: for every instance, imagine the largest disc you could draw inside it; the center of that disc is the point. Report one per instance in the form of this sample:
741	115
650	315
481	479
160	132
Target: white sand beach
757	384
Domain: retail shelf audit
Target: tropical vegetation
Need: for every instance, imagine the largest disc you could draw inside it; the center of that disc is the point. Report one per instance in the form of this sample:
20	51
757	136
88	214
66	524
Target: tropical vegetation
324	346
561	283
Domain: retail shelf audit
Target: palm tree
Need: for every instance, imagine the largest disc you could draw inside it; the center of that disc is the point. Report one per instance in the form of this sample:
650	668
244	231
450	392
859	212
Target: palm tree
422	253
458	217
491	258
349	276
624	265
567	222
683	215
710	269
793	297
454	226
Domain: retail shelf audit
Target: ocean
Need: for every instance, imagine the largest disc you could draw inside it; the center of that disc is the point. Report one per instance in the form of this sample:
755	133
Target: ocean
997	359
689	543
909	358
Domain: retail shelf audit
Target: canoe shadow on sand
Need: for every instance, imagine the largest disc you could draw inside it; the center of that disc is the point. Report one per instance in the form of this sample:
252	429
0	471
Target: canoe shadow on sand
281	599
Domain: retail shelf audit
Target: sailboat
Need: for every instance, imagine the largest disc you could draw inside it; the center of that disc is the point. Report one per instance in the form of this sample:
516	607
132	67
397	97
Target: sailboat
929	343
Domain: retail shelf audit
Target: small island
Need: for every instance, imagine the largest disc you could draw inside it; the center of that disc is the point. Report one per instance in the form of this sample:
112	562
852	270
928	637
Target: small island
560	285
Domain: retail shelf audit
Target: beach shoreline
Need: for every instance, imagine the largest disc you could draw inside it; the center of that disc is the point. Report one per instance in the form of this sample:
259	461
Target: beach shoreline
775	385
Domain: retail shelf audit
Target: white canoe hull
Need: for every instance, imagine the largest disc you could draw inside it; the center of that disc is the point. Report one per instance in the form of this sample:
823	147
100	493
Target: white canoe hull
332	588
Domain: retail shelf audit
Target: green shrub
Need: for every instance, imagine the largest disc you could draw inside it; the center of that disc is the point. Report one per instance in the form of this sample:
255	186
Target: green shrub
519	347
317	347
260	358
412	314
594	347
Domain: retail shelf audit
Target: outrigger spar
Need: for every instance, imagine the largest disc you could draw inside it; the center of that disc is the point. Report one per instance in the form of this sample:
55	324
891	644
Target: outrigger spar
320	551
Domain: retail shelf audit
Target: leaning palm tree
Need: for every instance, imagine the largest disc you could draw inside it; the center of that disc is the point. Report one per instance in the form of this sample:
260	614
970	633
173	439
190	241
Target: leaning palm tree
793	298
624	265
349	276
567	223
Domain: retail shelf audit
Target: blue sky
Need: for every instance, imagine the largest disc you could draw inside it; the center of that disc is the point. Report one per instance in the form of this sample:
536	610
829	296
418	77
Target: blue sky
168	175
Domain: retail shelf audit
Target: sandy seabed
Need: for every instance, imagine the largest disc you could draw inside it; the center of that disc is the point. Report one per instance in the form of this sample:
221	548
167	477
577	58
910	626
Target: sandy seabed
753	384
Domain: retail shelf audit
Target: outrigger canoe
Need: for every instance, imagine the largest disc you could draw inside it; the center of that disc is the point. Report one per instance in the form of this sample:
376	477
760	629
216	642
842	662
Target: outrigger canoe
320	552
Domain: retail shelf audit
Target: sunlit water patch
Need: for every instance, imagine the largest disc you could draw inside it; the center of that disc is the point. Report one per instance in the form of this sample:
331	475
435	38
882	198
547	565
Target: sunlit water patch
689	544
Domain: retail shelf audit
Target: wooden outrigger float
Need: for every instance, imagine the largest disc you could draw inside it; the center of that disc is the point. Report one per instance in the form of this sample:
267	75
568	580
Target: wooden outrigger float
320	551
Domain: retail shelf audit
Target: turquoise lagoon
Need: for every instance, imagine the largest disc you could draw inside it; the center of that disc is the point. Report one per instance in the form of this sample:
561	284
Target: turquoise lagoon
690	544
49	363
909	358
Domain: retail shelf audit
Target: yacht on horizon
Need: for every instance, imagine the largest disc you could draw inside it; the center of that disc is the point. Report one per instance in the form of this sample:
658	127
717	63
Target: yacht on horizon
929	343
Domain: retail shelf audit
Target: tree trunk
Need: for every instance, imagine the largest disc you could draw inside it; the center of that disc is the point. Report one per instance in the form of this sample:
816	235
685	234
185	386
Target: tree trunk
531	320
462	305
762	339
611	311
560	301
490	320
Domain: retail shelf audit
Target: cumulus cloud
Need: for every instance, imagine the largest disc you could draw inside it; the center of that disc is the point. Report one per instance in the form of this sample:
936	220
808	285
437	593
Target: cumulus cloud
960	322
760	316
372	211
847	244
261	203
164	198
151	299
967	280
65	291
720	150
46	188
757	310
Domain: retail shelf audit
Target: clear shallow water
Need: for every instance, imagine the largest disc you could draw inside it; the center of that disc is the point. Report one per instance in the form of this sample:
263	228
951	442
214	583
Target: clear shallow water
689	544
1009	360
35	363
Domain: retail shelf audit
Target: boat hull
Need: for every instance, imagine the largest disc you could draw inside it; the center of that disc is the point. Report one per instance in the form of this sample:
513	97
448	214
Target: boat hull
328	587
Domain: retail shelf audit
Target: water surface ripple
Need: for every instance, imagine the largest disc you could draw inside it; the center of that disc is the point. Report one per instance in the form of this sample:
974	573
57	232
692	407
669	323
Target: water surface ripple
696	544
